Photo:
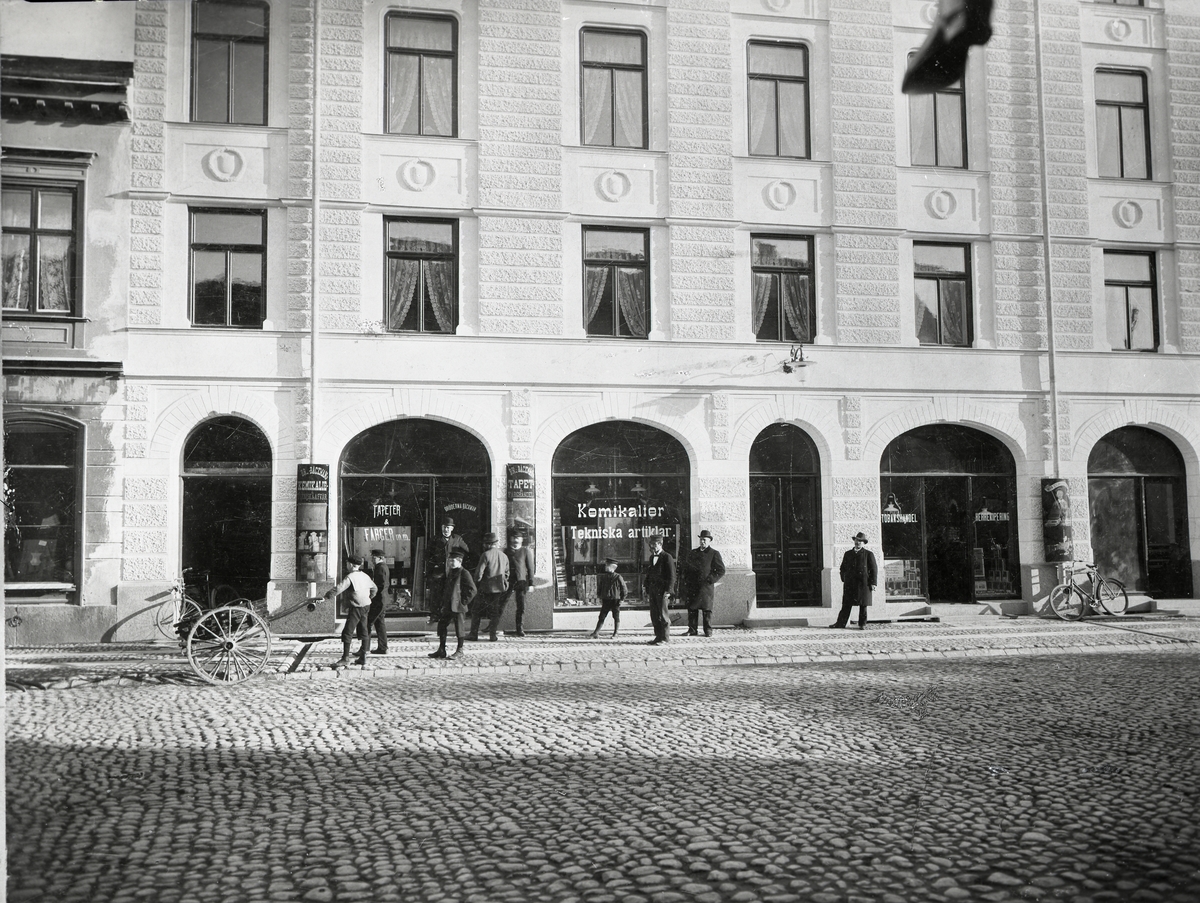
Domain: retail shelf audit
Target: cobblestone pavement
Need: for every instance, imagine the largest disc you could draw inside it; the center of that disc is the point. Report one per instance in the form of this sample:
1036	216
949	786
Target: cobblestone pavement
998	777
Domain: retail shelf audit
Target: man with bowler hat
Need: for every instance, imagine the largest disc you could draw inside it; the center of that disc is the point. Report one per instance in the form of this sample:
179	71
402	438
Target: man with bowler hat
520	573
658	583
859	576
491	576
458	589
702	568
438	558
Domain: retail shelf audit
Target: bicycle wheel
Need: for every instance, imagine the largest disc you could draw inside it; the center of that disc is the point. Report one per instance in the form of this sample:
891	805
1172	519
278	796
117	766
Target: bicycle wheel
229	645
1068	602
164	619
223	595
1113	598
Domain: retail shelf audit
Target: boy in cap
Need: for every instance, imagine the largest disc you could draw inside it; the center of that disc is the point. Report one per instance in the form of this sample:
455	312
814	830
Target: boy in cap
458	589
610	587
362	590
491	576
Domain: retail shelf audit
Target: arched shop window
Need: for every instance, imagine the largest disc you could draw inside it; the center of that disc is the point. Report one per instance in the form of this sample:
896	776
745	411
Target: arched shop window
949	516
1137	500
785	517
398	481
226	529
616	485
42	471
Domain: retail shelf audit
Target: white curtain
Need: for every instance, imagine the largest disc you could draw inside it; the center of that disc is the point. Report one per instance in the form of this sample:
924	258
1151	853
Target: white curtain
402	93
627	101
794	297
631	295
439	99
762	295
596	278
403	277
439	283
597	106
762	116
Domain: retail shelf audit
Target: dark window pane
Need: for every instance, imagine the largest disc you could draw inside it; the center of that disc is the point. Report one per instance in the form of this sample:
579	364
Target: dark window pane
438	100
411	32
233	19
54	273
15	208
1120	87
762	118
954	313
420	238
945	448
950	259
793	119
783	449
949	130
247	296
1108	141
208	288
17	271
602	47
1135	449
627	103
227	228
403	83
776	59
211	81
927	307
42	444
57	210
1126	267
249	78
1133	145
603	244
921	130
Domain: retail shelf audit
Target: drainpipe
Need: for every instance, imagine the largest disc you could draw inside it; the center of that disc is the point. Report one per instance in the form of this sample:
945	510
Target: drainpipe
314	303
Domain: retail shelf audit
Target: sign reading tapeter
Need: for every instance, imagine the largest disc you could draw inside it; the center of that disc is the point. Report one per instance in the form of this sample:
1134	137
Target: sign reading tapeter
522	485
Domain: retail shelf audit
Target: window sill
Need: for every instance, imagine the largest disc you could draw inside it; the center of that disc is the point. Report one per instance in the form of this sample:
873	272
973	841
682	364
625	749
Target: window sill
15	315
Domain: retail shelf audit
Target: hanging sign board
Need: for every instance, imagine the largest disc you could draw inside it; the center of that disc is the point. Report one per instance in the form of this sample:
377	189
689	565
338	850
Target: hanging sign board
312	522
521	485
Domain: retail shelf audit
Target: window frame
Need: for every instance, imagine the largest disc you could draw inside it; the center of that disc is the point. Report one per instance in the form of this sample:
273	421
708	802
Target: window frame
1121	107
265	41
810	273
455	257
965	278
1151	284
452	55
805	80
43	592
964	143
644	68
228	248
612	264
76	254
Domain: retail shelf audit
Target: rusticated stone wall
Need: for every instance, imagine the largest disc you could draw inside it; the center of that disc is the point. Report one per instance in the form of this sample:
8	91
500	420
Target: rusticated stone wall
867	274
147	105
1183	57
520	276
702	276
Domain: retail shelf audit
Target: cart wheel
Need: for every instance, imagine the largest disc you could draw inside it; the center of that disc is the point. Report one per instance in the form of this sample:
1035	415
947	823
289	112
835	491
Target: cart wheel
229	645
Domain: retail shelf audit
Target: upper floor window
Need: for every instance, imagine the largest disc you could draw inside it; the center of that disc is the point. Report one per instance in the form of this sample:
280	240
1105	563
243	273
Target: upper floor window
422	75
613	67
229	250
41	225
777	85
422	275
942	278
1122	125
937	127
616	281
784	309
229	61
1129	294
41	497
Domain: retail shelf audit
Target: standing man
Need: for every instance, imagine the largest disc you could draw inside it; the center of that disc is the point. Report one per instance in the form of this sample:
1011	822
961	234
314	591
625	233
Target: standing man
859	575
658	583
382	576
520	575
458	589
491	576
438	559
702	568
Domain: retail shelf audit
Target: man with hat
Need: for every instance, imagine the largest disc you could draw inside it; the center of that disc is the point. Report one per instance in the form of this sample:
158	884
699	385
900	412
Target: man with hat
859	576
438	558
702	568
658	582
458	589
376	621
491	576
611	590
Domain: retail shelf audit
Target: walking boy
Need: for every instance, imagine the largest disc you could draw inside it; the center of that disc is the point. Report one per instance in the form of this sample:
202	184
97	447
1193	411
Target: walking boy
363	588
458	589
610	587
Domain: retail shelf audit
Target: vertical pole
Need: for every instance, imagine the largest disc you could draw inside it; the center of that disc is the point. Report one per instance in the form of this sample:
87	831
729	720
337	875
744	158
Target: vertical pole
314	305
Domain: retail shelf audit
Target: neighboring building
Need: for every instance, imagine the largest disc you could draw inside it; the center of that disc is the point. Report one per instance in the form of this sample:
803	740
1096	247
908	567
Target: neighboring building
685	263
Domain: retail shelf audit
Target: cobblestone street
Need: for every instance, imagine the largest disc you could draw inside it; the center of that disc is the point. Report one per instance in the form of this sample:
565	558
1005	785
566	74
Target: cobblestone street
1069	777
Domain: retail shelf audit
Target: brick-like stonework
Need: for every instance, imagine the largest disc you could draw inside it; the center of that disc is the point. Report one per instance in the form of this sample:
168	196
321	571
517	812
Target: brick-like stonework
1062	94
340	268
1183	51
1019	295
520	420
1014	157
520	276
147	105
850	413
340	157
702	278
867	274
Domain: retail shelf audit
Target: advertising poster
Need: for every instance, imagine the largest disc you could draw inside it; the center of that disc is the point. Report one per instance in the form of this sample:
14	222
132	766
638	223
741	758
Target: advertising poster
521	485
1056	521
312	522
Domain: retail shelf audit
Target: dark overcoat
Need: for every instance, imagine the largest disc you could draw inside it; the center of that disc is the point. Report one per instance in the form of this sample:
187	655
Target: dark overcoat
859	573
439	553
660	575
702	568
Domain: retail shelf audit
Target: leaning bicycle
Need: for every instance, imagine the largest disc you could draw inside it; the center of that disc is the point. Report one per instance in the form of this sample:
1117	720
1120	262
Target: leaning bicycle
1085	589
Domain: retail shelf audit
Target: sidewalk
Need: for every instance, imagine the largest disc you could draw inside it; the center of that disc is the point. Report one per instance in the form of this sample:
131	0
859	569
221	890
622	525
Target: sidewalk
956	634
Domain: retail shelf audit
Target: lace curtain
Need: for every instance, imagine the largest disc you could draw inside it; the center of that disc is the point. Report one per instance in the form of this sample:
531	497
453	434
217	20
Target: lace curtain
627	100
439	286
596	280
631	295
762	115
403	277
597	109
439	101
402	93
795	305
762	298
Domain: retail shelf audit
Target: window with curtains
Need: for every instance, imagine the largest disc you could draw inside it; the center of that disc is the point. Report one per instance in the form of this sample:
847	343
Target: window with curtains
613	91
1122	125
229	252
422	275
1129	294
41	225
616	282
942	279
937	127
784	309
777	99
229	61
422	75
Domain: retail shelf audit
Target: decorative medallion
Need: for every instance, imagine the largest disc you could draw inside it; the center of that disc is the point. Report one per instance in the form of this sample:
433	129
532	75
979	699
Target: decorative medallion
777	5
1128	214
612	185
929	13
416	175
1118	29
223	164
779	195
940	203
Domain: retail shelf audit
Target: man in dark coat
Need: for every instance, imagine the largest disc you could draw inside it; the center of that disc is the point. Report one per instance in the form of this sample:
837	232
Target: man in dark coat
520	575
376	621
702	568
491	576
859	576
438	558
658	582
458	589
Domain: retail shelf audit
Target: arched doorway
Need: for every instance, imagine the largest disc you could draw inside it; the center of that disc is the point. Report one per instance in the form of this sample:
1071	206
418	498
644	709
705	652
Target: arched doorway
227	507
949	516
615	485
1138	503
785	517
397	481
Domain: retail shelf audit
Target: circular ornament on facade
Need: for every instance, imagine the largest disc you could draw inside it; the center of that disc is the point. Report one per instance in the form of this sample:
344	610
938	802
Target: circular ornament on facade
612	185
223	164
416	175
1118	29
1128	214
777	5
779	194
929	13
940	203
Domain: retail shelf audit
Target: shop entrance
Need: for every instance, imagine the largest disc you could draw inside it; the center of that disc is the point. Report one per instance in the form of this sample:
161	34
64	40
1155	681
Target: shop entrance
398	481
948	499
1138	504
226	529
785	518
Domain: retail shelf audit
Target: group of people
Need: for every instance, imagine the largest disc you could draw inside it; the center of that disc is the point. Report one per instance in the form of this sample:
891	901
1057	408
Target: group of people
501	574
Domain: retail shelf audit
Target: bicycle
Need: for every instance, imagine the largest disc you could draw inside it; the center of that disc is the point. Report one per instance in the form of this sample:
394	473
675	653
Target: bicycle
1071	601
191	595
